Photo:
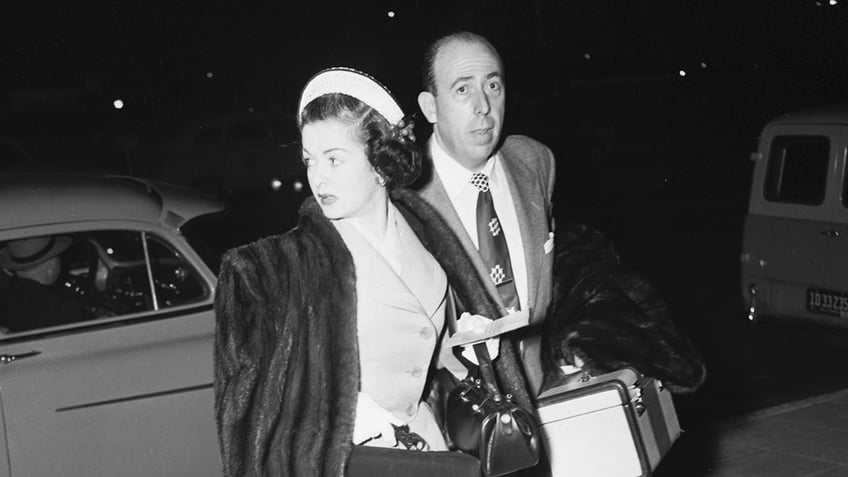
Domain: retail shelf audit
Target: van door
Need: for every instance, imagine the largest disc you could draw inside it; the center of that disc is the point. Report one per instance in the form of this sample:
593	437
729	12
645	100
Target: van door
785	248
837	233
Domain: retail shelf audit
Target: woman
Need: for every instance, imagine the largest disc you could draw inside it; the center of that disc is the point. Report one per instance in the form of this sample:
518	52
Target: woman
327	336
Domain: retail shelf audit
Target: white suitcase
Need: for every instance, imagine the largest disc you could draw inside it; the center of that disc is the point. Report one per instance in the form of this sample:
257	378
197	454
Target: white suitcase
619	424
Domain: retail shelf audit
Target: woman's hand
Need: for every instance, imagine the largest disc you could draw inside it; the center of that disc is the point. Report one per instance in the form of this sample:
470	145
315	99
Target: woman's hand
478	323
373	423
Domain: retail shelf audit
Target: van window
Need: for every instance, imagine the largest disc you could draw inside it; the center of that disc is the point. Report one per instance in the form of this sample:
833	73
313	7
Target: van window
797	169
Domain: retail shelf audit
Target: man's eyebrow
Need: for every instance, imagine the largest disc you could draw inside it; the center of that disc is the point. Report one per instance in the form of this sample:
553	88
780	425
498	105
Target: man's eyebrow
493	74
461	79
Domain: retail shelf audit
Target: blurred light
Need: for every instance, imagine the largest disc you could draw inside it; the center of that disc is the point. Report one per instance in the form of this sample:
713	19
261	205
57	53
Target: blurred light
587	56
832	2
276	184
297	186
703	65
682	73
209	74
391	14
118	104
110	251
250	109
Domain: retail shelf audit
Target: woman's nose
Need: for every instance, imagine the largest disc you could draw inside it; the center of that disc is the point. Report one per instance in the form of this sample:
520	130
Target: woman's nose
317	175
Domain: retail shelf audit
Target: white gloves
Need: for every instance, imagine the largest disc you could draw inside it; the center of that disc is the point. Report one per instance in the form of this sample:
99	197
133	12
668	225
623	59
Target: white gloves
373	423
469	322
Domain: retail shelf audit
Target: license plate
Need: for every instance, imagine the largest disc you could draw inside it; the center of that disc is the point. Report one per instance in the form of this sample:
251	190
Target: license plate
827	301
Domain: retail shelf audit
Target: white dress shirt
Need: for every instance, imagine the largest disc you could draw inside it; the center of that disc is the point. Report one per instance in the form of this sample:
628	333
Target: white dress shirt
463	196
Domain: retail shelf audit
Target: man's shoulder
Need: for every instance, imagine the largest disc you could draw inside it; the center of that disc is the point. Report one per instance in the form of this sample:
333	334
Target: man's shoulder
521	143
527	151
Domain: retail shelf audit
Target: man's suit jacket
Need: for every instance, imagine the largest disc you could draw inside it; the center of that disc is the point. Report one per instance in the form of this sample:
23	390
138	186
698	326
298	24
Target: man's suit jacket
530	171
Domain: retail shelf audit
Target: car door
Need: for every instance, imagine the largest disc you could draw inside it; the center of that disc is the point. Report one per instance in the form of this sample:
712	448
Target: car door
129	393
785	240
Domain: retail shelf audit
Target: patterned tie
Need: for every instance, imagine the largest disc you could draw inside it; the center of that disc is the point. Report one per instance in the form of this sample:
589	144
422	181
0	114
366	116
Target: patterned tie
492	242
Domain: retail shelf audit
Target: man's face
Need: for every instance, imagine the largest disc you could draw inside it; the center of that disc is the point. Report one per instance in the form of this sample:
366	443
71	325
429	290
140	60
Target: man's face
467	110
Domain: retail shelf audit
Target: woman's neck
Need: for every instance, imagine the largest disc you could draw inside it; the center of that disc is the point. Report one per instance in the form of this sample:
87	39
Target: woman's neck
375	219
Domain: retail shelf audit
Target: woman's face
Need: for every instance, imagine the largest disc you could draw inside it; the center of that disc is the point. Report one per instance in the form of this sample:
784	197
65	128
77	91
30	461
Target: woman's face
342	180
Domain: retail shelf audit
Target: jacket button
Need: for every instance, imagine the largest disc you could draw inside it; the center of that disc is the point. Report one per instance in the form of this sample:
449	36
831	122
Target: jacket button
417	372
426	332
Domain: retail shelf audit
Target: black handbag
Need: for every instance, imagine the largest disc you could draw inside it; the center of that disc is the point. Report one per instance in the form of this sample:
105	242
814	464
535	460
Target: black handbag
489	425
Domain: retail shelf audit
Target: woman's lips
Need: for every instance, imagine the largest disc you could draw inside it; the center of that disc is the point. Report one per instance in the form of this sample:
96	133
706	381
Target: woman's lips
327	199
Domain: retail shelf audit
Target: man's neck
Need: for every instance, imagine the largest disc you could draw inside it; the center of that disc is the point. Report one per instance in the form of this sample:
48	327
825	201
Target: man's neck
473	165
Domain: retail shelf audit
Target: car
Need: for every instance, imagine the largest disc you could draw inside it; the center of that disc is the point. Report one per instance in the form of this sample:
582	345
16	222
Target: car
129	389
794	244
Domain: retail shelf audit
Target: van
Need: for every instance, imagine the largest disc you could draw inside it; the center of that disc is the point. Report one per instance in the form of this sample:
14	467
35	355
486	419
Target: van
794	260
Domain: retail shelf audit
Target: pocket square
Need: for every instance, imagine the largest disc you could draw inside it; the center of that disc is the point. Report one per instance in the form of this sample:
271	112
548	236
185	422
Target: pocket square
549	244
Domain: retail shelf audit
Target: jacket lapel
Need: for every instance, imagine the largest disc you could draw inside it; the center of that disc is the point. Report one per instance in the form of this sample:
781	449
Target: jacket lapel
376	273
434	192
526	192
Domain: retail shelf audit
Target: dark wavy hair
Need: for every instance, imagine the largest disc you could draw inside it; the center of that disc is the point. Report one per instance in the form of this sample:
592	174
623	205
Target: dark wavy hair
390	149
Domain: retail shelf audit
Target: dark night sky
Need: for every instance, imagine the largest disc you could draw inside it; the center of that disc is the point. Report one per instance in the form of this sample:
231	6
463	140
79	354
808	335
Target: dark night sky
588	64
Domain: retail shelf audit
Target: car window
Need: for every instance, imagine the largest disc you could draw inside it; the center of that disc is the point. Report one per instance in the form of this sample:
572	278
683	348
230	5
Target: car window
176	281
797	169
98	274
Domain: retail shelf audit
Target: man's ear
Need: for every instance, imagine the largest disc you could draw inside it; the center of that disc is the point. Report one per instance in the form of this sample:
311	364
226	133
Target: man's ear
427	103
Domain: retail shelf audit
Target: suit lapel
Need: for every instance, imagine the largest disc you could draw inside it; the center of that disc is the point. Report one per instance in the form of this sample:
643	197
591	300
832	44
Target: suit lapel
434	192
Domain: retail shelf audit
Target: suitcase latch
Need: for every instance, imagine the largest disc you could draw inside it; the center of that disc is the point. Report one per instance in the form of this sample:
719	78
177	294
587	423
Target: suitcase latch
637	401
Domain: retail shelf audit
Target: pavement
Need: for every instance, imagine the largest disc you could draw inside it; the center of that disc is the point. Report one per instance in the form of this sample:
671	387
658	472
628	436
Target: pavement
803	438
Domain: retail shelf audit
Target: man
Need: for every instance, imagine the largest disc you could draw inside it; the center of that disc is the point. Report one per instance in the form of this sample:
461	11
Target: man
31	299
464	100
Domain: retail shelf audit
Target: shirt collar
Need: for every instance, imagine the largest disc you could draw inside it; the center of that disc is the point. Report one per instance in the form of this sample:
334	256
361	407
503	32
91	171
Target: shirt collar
454	176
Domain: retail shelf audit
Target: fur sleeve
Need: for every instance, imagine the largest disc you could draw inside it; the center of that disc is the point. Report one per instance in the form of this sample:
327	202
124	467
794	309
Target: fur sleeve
236	369
610	317
242	346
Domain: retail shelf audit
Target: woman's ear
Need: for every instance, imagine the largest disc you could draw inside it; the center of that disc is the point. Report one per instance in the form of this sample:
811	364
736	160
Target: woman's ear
427	104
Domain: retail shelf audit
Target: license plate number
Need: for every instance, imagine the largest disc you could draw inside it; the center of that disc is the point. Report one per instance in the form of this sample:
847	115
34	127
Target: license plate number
827	301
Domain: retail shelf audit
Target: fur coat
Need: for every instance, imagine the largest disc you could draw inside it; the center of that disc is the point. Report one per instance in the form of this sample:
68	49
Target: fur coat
286	360
610	317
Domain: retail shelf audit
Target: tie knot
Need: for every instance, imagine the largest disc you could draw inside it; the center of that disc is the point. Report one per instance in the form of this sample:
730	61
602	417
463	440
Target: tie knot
480	181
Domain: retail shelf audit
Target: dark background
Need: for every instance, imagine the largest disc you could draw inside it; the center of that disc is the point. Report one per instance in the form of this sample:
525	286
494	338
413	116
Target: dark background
656	159
596	80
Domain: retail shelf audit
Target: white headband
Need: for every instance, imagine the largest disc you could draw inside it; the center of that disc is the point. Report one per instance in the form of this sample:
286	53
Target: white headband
352	83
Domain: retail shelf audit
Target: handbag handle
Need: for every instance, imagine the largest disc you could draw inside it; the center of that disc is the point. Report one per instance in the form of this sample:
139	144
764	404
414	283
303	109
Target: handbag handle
487	372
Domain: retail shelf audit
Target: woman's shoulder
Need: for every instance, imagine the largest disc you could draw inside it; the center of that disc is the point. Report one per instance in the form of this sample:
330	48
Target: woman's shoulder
263	251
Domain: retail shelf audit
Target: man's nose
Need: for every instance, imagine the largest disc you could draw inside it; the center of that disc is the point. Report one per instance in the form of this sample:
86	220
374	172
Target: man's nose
481	103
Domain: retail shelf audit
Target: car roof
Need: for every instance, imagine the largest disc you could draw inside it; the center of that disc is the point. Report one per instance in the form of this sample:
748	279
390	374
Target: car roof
29	199
827	114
